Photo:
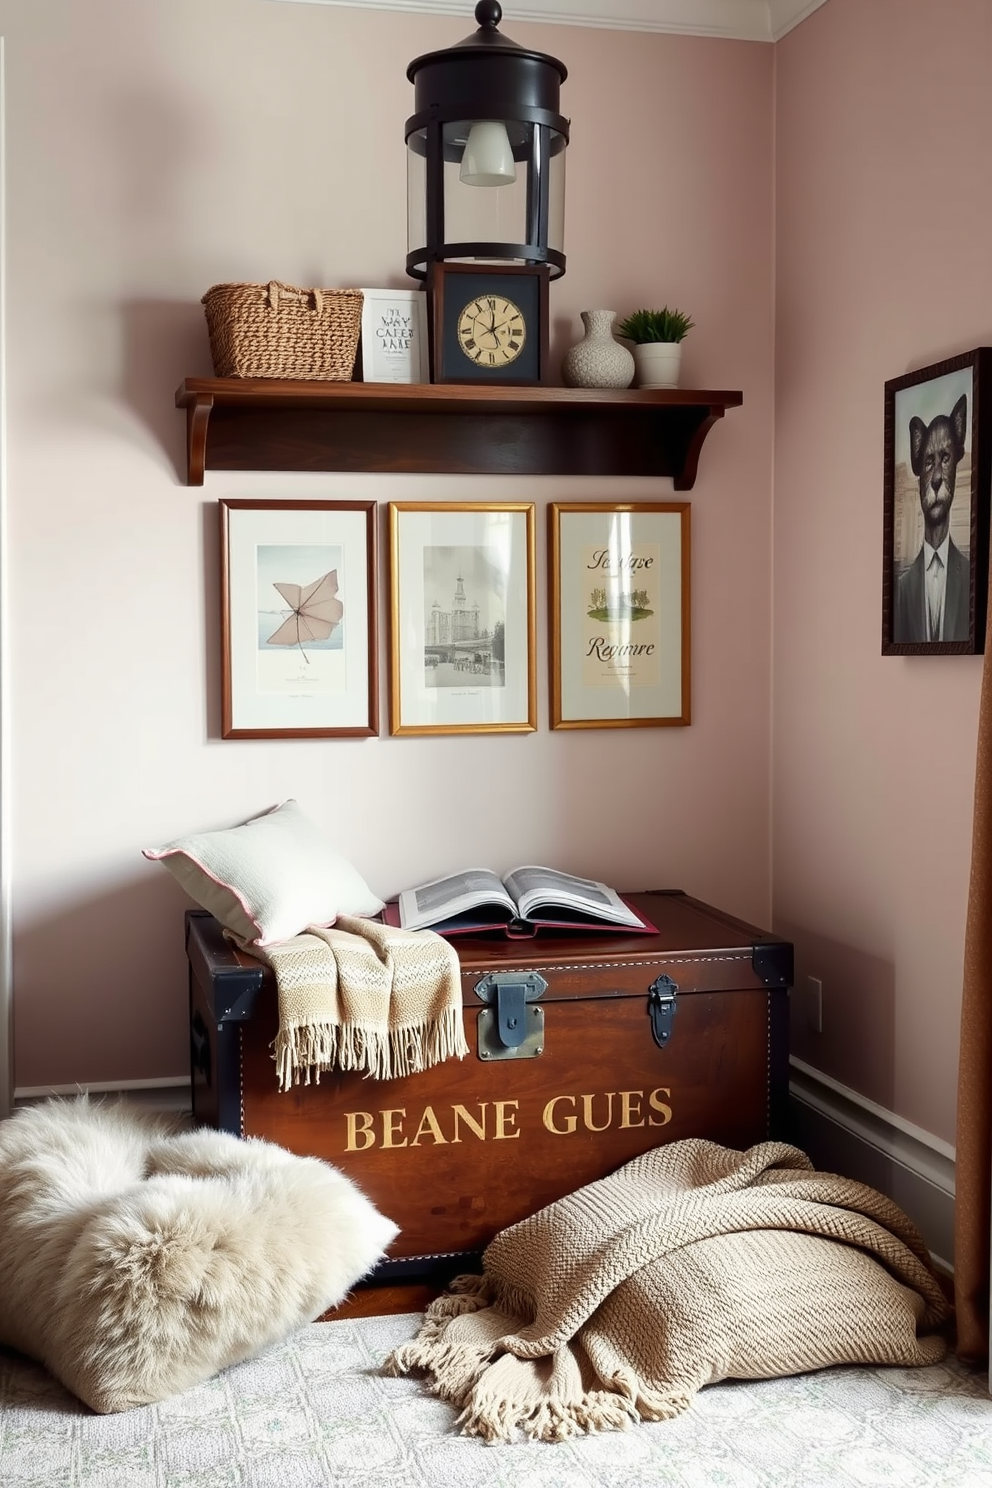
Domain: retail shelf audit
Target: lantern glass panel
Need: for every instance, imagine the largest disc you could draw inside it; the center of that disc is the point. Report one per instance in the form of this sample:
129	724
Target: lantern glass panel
481	214
556	193
416	191
504	214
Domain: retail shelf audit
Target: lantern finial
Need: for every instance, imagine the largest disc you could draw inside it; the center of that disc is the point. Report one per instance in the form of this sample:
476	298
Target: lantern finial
489	13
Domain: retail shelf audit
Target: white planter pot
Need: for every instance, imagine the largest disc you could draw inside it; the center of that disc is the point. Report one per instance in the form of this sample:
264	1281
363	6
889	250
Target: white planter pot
657	364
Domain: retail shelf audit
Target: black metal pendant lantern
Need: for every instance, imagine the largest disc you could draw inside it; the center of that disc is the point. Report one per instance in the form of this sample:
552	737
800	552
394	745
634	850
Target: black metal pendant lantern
486	153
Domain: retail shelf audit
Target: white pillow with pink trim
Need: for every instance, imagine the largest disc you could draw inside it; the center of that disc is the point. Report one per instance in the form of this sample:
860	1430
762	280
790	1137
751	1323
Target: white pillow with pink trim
269	878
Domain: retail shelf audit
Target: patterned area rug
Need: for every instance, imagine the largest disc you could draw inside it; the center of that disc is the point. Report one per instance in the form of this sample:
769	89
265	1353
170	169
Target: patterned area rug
317	1410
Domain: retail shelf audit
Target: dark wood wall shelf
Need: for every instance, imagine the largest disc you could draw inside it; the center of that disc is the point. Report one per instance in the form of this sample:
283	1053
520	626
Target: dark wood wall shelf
235	423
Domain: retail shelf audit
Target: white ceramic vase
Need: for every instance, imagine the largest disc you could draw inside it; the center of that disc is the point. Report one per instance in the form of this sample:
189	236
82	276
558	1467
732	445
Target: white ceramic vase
598	361
658	364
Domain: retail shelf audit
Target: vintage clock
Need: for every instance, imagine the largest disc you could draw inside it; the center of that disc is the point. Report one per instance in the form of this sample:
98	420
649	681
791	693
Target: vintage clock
489	323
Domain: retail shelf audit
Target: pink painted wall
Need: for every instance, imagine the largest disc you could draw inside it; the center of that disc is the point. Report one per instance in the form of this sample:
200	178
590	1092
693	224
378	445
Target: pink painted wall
883	130
156	149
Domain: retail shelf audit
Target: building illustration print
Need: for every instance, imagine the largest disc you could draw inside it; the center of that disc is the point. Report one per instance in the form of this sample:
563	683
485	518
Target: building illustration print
465	617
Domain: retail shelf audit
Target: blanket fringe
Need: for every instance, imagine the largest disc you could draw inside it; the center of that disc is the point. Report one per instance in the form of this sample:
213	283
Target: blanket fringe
469	1282
304	1051
446	1308
652	1406
549	1420
644	1403
454	1368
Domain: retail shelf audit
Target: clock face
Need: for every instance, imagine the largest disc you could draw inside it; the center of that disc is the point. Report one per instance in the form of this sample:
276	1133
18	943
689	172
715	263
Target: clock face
491	330
490	323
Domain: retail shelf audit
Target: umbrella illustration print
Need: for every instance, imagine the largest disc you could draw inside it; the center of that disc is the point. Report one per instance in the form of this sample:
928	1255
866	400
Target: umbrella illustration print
315	611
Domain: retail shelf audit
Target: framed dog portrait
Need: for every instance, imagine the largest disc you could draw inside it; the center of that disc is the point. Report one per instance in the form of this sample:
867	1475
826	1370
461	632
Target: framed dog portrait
938	455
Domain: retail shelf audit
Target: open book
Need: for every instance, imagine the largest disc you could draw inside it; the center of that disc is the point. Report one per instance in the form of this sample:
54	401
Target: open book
521	903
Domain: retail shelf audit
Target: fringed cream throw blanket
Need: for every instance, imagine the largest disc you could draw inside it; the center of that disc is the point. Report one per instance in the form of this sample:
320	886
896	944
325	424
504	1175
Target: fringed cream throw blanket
691	1264
364	996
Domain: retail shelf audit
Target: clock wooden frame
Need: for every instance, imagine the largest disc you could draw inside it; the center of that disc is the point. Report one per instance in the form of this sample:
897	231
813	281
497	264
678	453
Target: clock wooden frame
453	286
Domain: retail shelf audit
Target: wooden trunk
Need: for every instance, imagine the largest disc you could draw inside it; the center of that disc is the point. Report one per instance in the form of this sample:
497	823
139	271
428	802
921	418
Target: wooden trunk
633	1040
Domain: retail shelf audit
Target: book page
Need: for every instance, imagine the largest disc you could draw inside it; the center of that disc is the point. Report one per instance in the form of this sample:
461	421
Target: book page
442	898
536	888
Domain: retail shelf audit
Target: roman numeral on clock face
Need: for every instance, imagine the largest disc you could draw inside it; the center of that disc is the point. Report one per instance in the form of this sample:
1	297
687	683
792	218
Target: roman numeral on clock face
491	331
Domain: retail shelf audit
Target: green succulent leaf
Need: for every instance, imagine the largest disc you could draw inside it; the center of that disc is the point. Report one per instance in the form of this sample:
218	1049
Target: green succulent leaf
642	326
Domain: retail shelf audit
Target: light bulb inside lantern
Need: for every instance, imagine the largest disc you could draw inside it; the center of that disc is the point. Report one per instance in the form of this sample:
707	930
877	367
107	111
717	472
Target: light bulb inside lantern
488	158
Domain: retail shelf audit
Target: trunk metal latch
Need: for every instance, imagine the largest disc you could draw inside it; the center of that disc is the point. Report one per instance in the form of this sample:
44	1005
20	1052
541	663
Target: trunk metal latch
661	1008
510	1027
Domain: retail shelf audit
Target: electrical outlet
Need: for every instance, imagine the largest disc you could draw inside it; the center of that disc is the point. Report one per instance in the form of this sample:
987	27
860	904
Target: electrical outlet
814	1004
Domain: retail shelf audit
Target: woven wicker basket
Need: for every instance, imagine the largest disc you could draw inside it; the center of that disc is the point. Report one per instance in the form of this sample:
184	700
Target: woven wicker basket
277	330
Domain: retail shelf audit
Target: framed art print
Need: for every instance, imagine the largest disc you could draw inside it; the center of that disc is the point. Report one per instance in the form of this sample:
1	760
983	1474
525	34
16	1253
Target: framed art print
394	342
619	623
298	619
489	323
936	508
462	607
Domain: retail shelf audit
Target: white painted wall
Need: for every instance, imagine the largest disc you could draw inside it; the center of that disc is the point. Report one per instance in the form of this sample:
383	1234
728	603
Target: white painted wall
156	148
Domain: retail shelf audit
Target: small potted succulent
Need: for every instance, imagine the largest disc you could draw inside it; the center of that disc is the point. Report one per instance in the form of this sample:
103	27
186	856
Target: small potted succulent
657	337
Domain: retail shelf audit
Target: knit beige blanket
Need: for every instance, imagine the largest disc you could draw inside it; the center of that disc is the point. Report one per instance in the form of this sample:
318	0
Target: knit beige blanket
691	1264
364	996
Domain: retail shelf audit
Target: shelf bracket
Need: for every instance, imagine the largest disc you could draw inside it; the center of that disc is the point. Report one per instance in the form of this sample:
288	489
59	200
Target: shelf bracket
198	412
685	479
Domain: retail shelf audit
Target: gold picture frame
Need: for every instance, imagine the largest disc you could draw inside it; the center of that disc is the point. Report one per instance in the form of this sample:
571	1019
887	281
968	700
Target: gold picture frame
462	643
619	582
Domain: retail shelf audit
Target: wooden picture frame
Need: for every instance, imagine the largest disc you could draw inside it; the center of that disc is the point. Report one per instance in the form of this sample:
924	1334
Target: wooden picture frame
937	438
462	617
504	356
619	584
395	343
298	619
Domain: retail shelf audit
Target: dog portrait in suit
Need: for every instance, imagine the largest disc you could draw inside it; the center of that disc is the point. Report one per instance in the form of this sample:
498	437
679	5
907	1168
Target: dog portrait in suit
932	596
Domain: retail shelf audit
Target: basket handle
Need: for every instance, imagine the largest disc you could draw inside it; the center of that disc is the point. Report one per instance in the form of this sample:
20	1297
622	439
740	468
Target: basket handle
276	289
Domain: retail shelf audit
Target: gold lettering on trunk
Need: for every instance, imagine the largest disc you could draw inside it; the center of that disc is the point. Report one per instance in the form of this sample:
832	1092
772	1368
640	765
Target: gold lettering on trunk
587	1120
505	1118
429	1123
359	1125
392	1128
665	1112
479	1127
597	1111
629	1116
570	1122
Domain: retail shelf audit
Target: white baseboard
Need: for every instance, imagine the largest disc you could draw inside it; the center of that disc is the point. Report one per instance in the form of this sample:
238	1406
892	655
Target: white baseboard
170	1094
843	1132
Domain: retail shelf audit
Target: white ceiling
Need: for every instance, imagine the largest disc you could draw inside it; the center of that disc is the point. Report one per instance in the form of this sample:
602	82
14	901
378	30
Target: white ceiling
740	20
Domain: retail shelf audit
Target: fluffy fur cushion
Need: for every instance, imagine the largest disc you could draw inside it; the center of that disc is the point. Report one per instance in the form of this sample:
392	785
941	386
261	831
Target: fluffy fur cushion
136	1262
